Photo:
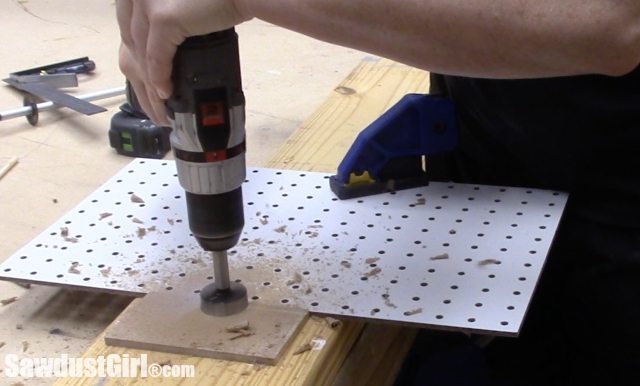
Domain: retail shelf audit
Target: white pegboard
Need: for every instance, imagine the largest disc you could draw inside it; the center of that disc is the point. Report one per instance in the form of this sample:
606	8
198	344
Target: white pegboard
445	255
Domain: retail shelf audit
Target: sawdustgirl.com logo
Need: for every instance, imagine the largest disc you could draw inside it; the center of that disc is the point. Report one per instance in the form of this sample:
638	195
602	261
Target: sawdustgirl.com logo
112	366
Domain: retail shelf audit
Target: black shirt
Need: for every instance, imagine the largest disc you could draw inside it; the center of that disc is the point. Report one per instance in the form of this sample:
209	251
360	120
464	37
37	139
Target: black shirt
578	134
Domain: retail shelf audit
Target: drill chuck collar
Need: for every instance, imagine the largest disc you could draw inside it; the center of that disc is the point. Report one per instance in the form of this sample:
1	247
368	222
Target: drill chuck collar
208	117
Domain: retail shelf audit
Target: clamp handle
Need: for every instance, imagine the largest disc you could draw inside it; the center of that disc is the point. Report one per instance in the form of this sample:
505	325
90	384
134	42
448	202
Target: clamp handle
388	154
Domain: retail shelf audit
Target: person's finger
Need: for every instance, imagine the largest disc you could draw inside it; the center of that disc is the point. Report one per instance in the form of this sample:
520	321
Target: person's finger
139	32
159	113
142	97
161	48
124	10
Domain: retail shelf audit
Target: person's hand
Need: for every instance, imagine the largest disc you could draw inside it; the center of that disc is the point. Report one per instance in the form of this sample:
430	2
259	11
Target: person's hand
151	30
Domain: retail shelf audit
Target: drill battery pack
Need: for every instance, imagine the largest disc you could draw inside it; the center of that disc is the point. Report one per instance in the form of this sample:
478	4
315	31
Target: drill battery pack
137	136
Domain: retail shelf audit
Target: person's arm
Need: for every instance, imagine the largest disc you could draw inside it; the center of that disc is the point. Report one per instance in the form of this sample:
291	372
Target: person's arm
480	38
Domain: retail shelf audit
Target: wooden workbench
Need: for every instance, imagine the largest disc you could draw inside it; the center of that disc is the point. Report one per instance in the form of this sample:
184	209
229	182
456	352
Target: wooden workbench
355	353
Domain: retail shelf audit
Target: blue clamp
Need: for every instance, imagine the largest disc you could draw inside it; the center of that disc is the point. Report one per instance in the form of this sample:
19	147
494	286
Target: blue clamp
390	154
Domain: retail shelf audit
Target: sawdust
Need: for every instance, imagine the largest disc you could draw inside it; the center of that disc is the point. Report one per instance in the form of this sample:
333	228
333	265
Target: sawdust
136	199
242	330
420	201
242	334
7	301
170	221
137	220
281	229
106	272
372	260
297	278
488	262
333	323
73	269
304	348
344	90
104	215
413	312
141	232
2	344
387	300
373	272
242	326
443	256
345	264
64	233
25	346
56	331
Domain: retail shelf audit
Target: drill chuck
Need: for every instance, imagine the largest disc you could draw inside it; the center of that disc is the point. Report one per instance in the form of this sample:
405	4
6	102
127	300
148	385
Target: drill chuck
207	114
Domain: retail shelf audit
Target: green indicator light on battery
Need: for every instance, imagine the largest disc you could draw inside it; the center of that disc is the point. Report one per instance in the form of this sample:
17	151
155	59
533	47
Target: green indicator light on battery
127	144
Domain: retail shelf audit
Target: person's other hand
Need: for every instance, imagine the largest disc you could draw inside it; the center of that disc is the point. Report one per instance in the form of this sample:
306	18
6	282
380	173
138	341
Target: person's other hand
151	30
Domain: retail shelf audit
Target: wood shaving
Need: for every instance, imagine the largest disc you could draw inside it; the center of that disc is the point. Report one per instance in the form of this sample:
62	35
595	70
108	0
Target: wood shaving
170	221
488	262
136	199
420	201
71	240
373	272
106	272
264	221
243	334
443	256
281	229
137	220
304	348
73	269
25	346
413	312
333	323
242	326
105	215
297	278
345	264
141	232
372	260
387	300
8	301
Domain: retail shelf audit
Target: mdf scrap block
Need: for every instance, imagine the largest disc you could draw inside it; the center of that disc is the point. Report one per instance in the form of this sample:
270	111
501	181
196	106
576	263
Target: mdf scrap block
171	321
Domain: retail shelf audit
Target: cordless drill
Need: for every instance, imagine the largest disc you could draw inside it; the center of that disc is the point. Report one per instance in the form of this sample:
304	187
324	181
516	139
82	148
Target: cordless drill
207	115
